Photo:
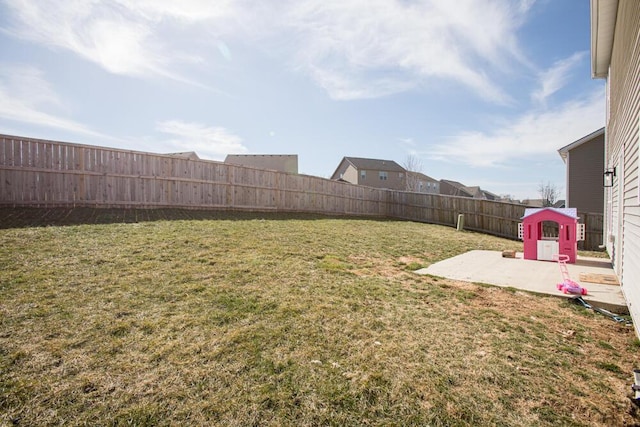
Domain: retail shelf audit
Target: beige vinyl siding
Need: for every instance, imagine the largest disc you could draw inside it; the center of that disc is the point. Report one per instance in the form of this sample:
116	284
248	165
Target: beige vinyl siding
394	180
347	172
374	178
622	150
362	176
350	174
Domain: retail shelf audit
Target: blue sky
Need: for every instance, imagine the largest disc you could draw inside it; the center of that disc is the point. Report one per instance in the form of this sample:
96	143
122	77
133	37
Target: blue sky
479	91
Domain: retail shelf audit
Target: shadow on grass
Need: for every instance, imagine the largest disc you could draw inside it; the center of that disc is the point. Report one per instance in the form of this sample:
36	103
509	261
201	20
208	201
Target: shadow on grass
44	217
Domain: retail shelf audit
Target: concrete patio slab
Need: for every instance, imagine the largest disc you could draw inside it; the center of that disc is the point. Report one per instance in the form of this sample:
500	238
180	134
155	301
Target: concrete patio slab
534	276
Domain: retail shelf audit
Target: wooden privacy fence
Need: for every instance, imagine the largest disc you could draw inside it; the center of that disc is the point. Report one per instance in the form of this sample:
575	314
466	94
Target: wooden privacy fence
593	223
42	173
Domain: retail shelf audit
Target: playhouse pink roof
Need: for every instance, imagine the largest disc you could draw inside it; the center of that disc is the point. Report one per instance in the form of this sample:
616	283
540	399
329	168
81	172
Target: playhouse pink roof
568	212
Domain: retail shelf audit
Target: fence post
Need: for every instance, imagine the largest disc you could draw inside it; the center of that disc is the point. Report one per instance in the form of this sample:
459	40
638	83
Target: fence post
460	224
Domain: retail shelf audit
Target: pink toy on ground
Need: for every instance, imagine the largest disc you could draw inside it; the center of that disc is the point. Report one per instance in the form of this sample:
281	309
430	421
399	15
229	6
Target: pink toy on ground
568	286
571	287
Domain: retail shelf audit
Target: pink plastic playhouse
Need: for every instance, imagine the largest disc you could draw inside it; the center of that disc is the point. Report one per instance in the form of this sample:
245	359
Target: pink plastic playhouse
547	232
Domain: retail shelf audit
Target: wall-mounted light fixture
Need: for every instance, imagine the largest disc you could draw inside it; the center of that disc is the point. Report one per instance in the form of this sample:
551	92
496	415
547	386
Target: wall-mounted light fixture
608	177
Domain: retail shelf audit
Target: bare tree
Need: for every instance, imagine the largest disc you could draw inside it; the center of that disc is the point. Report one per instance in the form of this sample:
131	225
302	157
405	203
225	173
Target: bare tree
548	193
412	164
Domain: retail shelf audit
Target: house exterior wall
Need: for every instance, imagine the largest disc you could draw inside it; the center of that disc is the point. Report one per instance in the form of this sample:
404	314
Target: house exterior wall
394	180
278	162
420	183
622	214
346	171
585	165
340	172
447	189
428	186
350	174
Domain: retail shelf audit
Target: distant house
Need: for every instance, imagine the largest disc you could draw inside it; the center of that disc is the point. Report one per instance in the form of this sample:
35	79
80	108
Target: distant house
191	155
479	193
615	56
540	203
277	162
453	188
371	172
533	203
585	164
420	183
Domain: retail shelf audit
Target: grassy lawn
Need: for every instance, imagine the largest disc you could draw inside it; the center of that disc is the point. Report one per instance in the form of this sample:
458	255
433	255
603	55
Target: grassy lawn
289	322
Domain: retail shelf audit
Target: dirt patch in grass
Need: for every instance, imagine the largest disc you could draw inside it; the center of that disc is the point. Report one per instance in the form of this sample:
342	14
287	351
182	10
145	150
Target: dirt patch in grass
289	322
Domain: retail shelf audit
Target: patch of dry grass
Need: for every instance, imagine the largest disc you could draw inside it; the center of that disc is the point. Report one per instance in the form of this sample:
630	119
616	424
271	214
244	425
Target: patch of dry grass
289	322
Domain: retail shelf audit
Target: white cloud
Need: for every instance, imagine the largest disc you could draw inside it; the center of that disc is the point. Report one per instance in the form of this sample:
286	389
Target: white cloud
556	77
368	48
27	84
409	142
25	95
209	142
354	49
126	37
535	133
184	10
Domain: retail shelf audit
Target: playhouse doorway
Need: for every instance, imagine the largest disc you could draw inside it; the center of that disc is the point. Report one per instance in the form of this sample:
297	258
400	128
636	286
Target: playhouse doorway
548	244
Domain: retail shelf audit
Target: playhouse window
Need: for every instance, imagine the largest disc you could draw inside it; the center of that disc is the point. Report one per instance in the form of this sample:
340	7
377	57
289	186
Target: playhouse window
549	230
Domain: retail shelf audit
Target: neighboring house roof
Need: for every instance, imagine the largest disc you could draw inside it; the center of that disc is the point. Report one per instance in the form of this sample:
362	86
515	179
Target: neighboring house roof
360	163
453	183
603	23
460	189
374	164
564	151
185	155
479	193
568	212
537	203
476	192
491	196
421	176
